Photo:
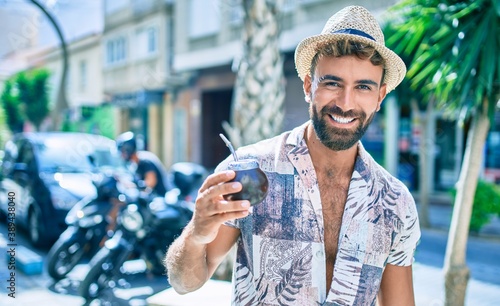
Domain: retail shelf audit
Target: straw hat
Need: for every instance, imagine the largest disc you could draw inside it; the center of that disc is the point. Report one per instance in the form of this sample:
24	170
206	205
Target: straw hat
354	23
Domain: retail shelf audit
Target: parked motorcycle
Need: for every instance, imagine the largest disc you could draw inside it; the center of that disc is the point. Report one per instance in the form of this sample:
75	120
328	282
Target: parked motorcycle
88	224
145	229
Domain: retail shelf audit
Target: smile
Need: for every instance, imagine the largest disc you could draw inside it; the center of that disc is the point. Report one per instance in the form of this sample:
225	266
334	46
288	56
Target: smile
341	119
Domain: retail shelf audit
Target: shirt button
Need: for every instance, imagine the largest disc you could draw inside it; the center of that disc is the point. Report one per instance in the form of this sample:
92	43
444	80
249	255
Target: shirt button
319	254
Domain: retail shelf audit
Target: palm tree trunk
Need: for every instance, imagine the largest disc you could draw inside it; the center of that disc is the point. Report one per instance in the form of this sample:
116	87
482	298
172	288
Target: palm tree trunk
259	91
456	270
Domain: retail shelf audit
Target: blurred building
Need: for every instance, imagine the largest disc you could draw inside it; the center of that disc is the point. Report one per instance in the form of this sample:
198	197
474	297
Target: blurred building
208	46
137	51
84	82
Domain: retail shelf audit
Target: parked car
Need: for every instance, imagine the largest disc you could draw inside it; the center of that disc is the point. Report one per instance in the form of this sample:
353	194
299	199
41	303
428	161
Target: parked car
47	173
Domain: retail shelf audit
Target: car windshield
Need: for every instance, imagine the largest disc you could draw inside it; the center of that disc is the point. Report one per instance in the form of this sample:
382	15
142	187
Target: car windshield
75	155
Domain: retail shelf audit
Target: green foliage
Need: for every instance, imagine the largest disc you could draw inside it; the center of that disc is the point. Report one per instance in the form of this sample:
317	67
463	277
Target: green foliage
95	120
25	97
11	107
486	204
33	94
452	47
4	130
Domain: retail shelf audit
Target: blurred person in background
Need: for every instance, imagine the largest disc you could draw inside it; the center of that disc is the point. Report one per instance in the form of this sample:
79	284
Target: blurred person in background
149	174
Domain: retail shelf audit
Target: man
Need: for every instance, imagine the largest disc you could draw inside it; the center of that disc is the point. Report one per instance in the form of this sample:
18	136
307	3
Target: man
335	228
149	172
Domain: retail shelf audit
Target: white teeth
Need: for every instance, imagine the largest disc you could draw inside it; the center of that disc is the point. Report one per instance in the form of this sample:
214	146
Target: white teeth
342	120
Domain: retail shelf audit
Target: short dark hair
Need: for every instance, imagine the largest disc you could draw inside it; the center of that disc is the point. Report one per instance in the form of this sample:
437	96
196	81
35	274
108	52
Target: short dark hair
348	47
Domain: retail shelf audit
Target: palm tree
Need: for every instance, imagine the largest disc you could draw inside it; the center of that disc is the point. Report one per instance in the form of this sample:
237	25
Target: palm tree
259	89
455	46
260	86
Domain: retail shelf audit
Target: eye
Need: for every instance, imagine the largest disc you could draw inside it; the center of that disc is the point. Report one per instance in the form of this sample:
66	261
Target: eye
331	84
364	87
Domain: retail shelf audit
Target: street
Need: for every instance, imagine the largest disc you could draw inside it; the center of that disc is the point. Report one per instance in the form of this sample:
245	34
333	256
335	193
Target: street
482	255
41	290
482	259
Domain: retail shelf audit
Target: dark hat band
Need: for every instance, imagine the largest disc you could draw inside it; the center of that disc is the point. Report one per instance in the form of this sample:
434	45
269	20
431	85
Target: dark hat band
353	32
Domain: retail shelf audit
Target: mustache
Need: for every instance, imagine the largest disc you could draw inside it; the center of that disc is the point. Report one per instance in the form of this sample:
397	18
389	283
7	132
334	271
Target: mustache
335	110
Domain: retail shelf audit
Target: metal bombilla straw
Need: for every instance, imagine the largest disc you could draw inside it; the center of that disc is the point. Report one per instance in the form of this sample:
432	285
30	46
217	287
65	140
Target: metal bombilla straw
230	146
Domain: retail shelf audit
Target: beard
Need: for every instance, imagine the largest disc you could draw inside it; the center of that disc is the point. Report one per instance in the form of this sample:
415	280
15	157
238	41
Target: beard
334	138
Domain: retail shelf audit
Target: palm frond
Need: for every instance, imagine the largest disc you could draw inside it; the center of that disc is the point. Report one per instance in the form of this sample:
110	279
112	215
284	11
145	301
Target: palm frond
451	47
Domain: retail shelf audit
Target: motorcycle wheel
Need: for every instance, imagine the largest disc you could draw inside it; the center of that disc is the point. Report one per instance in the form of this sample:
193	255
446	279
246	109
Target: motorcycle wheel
99	276
65	255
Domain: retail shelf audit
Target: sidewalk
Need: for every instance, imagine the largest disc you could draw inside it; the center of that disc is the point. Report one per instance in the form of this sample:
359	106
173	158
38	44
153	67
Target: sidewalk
429	289
429	280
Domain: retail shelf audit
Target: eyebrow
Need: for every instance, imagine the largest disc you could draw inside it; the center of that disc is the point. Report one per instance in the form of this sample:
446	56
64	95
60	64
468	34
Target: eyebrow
332	77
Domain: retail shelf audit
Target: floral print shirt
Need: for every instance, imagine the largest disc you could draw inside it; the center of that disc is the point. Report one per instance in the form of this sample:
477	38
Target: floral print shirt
281	253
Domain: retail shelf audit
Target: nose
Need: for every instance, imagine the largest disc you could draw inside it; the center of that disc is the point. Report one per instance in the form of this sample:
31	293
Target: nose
345	99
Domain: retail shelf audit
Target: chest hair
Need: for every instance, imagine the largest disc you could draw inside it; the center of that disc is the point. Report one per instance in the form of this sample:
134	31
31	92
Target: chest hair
333	190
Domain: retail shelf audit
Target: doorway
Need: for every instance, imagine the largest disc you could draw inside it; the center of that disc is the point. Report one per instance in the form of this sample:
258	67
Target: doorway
216	108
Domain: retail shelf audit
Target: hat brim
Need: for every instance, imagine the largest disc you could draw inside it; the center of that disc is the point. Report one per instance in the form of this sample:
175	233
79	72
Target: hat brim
307	49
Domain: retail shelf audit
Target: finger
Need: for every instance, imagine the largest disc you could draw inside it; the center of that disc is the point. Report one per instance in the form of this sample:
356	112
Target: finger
214	193
216	178
221	212
231	206
216	206
227	216
211	201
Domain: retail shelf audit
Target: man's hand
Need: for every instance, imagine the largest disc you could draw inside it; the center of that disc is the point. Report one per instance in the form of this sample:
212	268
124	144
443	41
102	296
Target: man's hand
212	210
193	257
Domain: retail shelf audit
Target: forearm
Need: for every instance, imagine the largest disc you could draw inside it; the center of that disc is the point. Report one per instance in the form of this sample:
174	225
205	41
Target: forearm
186	263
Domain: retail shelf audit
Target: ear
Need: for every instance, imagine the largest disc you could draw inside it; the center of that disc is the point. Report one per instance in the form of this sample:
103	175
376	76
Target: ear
381	95
307	88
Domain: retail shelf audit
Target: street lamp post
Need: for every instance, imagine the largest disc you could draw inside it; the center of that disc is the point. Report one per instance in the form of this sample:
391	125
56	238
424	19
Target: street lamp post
61	102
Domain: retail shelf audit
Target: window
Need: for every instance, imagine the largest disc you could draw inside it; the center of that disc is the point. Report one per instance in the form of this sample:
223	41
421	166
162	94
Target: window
235	9
147	42
204	18
27	157
152	40
115	50
71	154
83	75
